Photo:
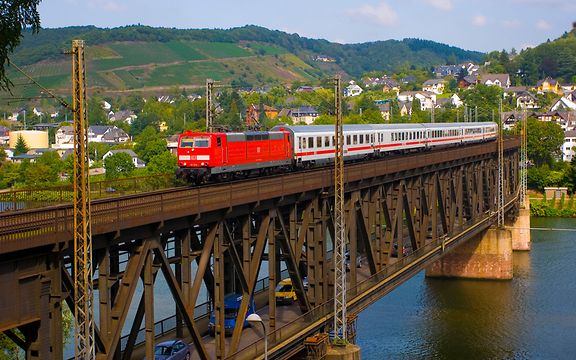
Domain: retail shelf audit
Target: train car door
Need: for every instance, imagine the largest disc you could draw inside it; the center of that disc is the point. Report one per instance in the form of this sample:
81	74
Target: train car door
222	149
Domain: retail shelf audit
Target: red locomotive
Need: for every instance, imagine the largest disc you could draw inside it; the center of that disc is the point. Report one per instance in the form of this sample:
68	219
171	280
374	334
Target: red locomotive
203	155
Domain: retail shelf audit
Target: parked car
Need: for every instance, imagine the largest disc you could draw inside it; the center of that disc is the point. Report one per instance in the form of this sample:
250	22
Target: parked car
231	307
172	350
285	292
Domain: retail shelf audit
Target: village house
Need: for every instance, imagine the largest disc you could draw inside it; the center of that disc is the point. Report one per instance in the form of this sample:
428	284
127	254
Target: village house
64	137
352	90
501	80
427	99
384	108
526	100
390	85
301	115
563	104
125	116
468	82
569	146
548	85
435	86
253	115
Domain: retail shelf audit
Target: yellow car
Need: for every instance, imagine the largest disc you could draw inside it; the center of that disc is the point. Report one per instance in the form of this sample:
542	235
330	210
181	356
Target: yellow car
285	293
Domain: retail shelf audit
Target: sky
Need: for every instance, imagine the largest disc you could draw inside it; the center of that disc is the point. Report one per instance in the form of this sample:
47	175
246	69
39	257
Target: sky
483	25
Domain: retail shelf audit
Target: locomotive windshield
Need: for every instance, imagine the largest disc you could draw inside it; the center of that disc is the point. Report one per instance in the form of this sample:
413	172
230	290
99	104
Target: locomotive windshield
194	142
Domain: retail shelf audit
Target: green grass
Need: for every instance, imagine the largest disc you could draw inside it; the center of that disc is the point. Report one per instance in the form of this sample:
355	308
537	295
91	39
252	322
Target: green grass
220	50
132	78
135	54
185	50
266	49
187	73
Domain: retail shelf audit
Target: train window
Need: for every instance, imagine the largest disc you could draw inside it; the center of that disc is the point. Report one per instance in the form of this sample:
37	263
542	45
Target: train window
186	142
319	141
347	139
310	142
354	139
218	141
361	141
371	138
201	142
334	140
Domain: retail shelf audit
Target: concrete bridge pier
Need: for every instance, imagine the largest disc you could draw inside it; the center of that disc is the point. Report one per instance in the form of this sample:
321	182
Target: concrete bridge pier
520	229
487	256
348	352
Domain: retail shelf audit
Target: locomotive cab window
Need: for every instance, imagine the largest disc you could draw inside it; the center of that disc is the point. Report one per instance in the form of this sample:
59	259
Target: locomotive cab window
195	142
186	142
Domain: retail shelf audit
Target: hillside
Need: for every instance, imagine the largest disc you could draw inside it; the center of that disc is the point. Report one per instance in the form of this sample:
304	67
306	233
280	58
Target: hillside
556	59
140	58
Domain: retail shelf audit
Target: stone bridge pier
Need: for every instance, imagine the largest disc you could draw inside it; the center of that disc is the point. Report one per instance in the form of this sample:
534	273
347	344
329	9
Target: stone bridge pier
488	255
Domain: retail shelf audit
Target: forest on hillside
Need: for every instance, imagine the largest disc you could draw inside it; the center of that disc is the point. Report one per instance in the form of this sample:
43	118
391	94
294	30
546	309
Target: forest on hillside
355	59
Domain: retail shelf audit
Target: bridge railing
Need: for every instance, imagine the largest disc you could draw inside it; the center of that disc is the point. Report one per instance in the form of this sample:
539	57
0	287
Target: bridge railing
37	197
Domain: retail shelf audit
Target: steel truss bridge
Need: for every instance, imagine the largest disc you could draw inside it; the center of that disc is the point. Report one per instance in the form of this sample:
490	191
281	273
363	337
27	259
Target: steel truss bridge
402	213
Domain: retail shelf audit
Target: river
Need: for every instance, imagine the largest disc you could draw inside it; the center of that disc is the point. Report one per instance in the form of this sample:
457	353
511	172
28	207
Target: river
532	316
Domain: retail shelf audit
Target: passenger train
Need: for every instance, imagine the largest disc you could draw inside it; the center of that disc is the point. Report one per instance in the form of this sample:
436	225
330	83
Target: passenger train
204	156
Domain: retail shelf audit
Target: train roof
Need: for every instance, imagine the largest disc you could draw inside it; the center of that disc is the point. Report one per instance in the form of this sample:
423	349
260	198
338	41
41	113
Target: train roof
371	127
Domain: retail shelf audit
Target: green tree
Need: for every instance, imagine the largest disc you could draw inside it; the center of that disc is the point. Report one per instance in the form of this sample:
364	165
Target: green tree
118	165
3	155
486	99
164	163
21	146
15	16
544	141
9	174
149	144
44	170
96	113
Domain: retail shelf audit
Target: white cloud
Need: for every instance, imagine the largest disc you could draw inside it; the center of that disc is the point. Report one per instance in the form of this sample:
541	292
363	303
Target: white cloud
441	4
542	25
511	23
479	20
382	13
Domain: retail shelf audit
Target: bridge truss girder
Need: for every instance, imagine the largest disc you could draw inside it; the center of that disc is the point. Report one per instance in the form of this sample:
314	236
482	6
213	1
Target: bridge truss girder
383	216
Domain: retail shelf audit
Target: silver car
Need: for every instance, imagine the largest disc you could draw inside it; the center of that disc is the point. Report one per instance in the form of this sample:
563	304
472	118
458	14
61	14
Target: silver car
172	350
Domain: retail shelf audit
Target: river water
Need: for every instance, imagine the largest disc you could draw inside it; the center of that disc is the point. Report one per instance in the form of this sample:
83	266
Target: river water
532	316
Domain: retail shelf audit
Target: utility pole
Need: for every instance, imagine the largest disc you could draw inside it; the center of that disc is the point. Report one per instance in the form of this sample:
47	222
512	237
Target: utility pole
83	292
476	113
209	113
340	336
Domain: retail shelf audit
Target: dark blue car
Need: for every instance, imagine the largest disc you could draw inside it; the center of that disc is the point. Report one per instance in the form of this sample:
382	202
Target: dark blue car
231	307
172	350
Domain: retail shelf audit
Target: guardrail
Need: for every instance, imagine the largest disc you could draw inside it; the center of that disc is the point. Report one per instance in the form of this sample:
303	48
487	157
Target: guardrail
28	198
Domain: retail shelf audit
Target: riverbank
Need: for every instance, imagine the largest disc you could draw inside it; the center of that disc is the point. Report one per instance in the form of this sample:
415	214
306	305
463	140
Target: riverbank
565	207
